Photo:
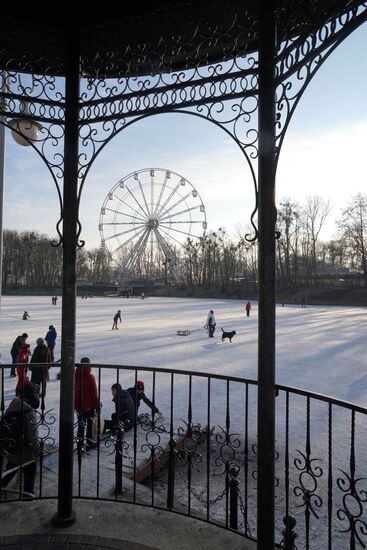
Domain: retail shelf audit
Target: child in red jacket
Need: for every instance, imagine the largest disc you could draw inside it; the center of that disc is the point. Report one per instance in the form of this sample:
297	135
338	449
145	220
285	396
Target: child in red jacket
23	357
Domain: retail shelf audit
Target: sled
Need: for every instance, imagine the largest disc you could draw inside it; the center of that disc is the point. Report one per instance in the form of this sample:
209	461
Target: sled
183	332
152	467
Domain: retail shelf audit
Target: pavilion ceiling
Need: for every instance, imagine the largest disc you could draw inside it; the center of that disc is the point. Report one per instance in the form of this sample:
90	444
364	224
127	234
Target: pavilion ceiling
148	39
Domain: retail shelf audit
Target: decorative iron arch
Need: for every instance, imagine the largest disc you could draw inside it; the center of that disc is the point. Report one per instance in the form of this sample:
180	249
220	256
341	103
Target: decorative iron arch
32	144
223	93
174	112
315	50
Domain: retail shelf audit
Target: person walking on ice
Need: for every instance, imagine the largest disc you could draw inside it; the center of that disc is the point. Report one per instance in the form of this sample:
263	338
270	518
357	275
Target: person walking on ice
26	316
248	308
115	319
211	323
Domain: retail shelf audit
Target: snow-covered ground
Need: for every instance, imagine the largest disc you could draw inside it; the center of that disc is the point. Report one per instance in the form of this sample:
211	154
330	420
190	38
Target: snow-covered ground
319	349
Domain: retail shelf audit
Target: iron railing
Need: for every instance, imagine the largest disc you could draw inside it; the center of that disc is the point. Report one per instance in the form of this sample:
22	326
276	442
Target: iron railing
198	455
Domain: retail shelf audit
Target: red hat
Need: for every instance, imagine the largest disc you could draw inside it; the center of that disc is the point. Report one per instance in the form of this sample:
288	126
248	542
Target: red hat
139	385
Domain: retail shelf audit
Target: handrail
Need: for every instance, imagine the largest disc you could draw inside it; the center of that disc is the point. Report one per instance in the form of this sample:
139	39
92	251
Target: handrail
203	452
282	387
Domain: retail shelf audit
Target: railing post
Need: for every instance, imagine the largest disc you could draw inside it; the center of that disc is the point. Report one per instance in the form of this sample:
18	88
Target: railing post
65	514
171	474
233	497
118	460
289	536
266	234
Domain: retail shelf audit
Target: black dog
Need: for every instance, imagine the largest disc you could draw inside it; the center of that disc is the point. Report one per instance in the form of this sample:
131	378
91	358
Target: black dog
228	335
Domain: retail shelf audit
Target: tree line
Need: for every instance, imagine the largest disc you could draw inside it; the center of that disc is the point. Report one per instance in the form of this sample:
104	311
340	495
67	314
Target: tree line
217	261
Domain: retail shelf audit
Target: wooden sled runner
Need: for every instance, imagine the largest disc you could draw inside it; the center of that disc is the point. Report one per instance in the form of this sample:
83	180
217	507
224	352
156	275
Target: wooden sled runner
151	467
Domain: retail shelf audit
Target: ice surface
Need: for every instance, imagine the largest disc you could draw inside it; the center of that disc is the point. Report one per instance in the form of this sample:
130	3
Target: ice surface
319	348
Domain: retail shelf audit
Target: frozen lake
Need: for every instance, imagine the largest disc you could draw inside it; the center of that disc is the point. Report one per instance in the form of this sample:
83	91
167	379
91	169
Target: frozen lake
319	349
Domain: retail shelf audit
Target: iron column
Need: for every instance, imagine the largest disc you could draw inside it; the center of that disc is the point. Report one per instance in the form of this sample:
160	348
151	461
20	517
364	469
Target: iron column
65	514
267	219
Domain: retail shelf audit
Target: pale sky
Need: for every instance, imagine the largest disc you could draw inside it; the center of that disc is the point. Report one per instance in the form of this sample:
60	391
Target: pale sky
324	153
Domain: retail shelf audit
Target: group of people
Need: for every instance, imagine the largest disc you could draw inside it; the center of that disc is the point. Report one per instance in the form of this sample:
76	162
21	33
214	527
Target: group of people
86	404
42	353
54	300
25	448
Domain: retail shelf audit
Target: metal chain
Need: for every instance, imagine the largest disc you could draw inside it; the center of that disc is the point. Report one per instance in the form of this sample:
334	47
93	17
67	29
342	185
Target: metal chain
243	510
199	497
126	454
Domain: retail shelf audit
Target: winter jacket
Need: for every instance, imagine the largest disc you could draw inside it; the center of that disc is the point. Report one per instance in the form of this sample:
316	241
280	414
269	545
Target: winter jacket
16	347
31	450
125	408
211	320
86	396
24	354
137	397
40	355
51	338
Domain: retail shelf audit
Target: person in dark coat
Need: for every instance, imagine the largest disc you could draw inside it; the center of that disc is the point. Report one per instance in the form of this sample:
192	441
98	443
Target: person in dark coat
211	323
15	350
117	316
30	451
137	393
51	341
86	401
40	374
124	410
25	316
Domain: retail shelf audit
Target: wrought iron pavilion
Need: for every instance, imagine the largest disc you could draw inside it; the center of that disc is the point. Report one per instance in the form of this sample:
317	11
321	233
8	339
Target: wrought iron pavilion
242	66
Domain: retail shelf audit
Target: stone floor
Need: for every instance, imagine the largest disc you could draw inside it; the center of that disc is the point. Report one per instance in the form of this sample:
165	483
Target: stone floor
67	542
109	525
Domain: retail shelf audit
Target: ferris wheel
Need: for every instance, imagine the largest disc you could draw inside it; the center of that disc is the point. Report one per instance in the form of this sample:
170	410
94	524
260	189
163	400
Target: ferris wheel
147	217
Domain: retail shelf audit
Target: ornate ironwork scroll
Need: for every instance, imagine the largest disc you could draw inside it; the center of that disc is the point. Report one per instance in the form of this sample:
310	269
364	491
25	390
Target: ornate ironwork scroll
354	498
209	71
36	102
310	472
301	54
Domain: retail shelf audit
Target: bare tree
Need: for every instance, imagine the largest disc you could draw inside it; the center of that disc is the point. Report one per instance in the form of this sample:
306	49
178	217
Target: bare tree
353	230
316	211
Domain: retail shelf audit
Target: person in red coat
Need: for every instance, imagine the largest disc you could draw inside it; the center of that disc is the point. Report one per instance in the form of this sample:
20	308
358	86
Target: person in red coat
86	402
23	379
248	309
